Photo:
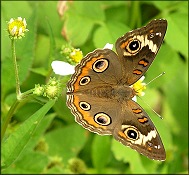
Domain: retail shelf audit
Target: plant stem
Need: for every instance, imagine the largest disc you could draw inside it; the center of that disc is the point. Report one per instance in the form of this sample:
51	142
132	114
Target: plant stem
18	93
19	96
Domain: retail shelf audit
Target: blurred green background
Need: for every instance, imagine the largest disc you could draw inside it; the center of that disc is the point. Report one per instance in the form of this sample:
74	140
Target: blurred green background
60	145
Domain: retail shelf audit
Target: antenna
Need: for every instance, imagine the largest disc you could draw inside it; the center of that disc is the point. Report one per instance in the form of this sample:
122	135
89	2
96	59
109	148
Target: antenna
151	108
151	81
155	78
144	101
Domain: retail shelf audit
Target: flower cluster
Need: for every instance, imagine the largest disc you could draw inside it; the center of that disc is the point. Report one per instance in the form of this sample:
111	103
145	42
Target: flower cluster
72	55
52	90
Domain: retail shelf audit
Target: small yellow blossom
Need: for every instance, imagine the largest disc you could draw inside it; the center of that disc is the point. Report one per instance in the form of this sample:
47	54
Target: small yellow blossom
17	28
72	55
76	55
139	87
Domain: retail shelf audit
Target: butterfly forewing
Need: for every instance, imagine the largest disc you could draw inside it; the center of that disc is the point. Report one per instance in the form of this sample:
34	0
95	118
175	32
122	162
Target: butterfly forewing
138	48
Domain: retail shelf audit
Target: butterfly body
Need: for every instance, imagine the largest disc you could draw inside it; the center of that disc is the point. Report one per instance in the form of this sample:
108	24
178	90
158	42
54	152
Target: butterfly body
100	93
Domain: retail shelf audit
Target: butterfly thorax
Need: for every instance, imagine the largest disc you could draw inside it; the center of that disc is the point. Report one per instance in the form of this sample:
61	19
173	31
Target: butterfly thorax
122	92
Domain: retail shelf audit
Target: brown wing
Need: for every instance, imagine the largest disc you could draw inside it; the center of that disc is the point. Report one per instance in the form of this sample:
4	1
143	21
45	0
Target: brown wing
136	130
98	115
138	48
98	68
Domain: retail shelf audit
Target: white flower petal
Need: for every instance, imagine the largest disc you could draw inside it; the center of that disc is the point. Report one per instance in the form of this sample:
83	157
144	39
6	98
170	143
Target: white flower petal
108	46
24	21
20	31
142	78
73	53
134	98
13	31
19	18
11	20
143	84
62	68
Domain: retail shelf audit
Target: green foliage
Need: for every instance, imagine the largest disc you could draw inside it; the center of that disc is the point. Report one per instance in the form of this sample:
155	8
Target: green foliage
45	138
14	145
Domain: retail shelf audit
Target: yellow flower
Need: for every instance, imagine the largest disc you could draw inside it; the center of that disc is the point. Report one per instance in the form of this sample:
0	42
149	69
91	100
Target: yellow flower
76	55
72	55
17	28
139	87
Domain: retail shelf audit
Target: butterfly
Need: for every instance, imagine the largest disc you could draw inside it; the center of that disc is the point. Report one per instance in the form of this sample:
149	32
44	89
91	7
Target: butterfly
99	93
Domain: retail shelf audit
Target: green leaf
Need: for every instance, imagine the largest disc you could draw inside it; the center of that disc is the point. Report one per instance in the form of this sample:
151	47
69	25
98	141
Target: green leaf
31	163
162	5
66	142
177	98
28	155
105	35
42	52
48	11
115	7
62	110
177	35
16	142
81	20
130	156
39	70
52	44
76	37
40	130
100	152
163	58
